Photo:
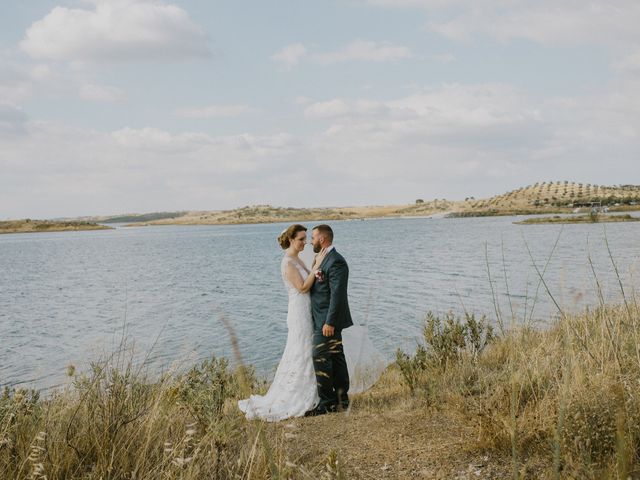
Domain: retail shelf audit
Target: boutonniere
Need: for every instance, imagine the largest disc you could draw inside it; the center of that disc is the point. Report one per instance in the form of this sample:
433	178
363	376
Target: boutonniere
319	275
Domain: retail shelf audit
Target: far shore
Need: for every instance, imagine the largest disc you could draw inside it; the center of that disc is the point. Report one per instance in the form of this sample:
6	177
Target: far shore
235	219
268	214
35	226
599	218
545	198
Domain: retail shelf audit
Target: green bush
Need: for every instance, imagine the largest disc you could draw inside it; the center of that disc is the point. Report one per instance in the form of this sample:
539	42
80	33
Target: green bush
205	388
413	367
447	341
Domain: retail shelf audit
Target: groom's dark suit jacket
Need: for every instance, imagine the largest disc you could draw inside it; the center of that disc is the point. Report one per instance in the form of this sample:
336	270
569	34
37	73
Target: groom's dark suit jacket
329	303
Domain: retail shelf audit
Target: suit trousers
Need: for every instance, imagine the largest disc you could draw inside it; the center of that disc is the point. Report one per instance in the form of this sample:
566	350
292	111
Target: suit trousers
330	365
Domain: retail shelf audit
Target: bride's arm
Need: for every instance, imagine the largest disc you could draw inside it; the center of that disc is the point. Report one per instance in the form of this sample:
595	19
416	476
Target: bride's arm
294	277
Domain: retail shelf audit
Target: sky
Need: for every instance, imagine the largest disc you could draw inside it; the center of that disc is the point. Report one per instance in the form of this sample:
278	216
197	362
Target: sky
122	106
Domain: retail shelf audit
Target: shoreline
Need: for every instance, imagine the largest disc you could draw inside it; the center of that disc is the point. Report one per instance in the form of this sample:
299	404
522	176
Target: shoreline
559	217
423	216
292	220
579	219
550	198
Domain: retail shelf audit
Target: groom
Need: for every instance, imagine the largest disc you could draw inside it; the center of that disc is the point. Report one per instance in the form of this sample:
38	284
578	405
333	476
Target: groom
330	311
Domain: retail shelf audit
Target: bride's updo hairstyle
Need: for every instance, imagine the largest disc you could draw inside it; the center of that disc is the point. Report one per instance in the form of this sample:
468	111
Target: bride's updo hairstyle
289	234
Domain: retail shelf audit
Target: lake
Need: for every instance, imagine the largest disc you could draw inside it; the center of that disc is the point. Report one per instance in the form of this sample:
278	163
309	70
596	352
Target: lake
68	298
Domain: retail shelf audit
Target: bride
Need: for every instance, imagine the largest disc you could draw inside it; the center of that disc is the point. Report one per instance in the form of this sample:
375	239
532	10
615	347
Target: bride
293	390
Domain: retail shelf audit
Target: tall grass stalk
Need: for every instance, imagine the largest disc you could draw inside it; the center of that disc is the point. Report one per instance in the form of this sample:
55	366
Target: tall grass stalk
544	270
563	392
496	304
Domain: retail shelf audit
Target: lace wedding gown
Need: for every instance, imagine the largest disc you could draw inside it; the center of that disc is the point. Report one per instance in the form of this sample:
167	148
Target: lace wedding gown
293	390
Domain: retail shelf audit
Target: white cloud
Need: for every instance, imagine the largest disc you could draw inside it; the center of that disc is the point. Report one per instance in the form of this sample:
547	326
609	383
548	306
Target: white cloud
116	30
22	78
13	121
41	72
160	141
450	140
341	108
302	100
428	141
290	55
230	148
629	63
486	134
51	171
17	79
14	92
549	22
214	111
97	93
449	106
428	4
357	51
331	108
444	58
456	105
365	51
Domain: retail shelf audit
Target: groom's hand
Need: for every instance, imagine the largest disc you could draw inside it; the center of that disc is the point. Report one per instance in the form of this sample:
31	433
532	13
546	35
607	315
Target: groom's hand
328	330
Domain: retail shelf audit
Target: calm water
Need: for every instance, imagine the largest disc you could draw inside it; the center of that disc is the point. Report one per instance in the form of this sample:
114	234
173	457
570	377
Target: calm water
66	297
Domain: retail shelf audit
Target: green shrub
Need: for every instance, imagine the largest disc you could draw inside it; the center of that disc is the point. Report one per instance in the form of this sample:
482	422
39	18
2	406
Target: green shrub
447	341
205	388
413	367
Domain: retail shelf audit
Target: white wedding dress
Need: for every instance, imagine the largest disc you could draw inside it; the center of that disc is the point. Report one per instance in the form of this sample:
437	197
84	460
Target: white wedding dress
293	390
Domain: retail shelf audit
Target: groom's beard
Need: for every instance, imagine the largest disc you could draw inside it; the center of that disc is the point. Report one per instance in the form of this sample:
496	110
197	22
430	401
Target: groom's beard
316	248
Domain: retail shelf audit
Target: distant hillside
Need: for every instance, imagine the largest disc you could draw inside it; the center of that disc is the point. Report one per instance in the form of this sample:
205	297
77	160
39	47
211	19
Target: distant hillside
545	197
553	196
144	217
33	226
270	214
125	217
542	197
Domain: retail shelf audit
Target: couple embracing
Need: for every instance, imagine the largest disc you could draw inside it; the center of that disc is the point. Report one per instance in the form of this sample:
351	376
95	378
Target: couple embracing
312	377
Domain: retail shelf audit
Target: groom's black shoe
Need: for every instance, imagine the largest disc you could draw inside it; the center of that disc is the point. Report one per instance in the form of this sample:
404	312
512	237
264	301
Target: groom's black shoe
318	411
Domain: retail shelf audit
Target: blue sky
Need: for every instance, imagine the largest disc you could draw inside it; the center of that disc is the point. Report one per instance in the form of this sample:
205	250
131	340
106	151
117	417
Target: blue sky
111	106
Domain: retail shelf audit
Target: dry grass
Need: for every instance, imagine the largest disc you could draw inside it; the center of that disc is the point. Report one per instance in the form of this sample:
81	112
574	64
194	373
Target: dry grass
559	403
114	424
563	403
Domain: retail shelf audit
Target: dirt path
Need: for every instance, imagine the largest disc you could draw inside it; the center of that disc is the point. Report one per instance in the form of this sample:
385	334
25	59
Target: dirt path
391	446
381	438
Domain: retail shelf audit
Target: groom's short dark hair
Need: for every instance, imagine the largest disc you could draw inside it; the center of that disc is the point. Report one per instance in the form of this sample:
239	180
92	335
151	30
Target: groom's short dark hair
326	231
